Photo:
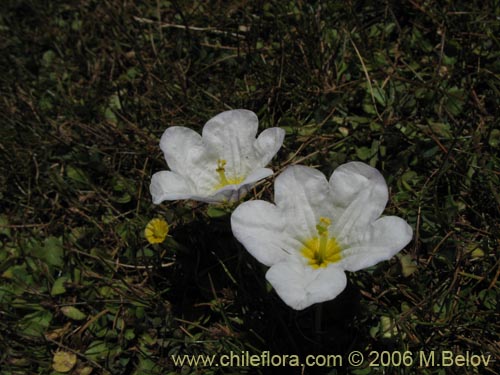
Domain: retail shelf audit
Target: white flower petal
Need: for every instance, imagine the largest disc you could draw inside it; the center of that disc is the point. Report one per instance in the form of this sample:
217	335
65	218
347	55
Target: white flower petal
222	164
227	194
300	286
235	192
167	185
302	193
260	227
257	175
352	201
186	155
360	194
380	241
232	134
268	143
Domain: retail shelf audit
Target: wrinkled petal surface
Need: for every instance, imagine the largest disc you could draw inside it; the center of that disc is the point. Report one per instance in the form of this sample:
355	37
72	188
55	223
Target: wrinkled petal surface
300	286
380	241
257	175
232	193
231	135
302	194
168	185
260	227
268	144
186	155
360	194
228	137
349	206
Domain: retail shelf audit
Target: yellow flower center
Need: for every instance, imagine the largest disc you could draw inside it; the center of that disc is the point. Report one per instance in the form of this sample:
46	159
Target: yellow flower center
321	250
223	180
156	231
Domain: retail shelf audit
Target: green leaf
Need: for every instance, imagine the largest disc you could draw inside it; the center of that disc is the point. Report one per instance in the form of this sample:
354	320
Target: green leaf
132	73
52	251
45	103
379	95
16	272
73	313
125	198
368	106
408	179
455	101
363	153
47	58
97	350
4	225
110	115
58	286
106	291
289	121
388	327
147	339
408	266
129	334
494	139
84	371
77	175
215	212
441	129
489	298
145	366
36	323
362	371
114	102
308	129
477	253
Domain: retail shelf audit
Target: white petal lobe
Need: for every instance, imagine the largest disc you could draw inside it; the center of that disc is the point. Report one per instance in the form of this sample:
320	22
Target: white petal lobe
303	195
360	194
381	241
167	185
268	143
318	230
300	287
220	165
259	226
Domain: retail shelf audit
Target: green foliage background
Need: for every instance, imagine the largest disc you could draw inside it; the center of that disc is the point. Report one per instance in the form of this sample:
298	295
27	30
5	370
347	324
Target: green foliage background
88	87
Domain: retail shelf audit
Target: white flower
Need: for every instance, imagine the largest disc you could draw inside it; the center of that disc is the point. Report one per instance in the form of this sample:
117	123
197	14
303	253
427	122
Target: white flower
319	229
221	165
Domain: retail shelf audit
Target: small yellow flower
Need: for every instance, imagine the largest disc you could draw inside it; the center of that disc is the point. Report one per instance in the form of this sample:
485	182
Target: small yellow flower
156	231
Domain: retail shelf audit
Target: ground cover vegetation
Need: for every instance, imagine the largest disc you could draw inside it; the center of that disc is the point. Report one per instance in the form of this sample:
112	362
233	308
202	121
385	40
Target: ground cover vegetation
87	89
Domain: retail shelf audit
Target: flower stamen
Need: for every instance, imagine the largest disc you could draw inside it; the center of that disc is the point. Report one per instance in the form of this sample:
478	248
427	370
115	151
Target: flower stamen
221	171
322	250
322	228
